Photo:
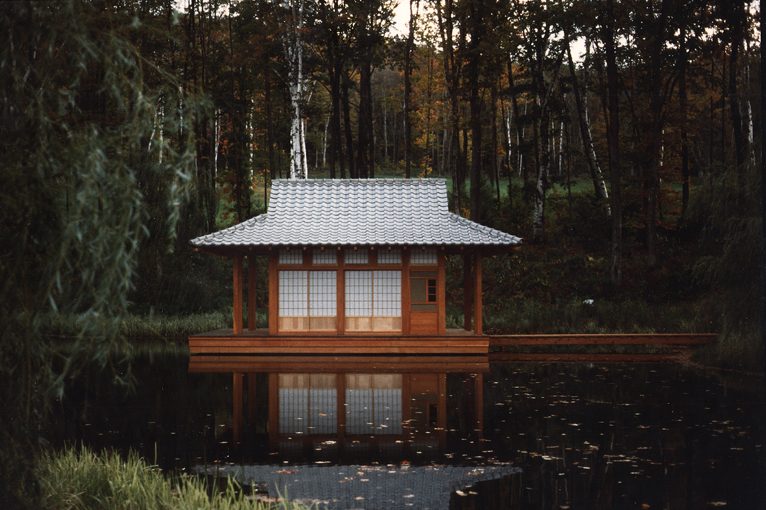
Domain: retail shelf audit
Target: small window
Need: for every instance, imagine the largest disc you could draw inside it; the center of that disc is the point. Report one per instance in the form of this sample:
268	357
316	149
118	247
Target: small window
290	256
423	288
356	256
423	257
324	257
392	256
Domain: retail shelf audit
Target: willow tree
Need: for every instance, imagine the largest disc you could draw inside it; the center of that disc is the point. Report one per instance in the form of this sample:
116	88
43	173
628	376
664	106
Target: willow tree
84	121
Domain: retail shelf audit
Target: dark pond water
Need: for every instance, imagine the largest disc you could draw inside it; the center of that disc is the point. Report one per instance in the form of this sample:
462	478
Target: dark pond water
383	434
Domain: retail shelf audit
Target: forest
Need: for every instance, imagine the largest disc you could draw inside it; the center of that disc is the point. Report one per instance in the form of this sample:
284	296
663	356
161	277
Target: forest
621	140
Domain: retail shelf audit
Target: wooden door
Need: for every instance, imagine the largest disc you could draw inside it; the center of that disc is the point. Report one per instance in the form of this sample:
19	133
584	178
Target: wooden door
424	302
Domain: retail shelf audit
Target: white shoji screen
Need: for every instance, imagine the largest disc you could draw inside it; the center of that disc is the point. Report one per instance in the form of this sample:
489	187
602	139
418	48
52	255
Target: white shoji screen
291	256
358	256
322	294
387	293
324	256
390	256
373	293
358	293
293	293
423	257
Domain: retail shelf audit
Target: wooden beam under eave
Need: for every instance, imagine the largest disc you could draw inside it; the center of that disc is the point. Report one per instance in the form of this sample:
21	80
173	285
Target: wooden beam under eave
237	297
251	310
478	326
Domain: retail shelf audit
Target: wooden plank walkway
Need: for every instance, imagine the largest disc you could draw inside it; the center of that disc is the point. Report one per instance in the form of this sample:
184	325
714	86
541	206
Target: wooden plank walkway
648	339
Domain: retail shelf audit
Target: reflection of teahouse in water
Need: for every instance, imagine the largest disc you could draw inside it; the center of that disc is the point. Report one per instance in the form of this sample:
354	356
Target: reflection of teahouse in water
354	406
355	266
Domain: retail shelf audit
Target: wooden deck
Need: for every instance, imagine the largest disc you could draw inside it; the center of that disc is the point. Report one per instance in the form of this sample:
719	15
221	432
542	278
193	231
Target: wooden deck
453	342
224	341
339	364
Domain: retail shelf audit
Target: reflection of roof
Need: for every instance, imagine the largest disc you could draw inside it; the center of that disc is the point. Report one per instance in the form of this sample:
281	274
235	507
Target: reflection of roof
358	212
355	486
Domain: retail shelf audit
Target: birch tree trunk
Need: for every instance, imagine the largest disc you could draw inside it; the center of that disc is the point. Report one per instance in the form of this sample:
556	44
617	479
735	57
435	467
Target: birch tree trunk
599	184
293	47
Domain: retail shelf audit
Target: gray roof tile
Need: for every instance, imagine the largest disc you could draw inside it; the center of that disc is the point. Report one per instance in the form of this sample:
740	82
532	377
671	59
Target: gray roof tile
358	212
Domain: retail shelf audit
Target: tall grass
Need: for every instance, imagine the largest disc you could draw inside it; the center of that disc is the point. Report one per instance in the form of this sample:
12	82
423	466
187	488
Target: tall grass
79	479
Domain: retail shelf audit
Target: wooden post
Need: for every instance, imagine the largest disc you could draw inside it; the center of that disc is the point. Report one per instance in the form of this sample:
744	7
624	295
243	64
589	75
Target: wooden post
478	326
237	259
340	295
251	316
441	289
273	295
478	399
467	292
237	403
406	292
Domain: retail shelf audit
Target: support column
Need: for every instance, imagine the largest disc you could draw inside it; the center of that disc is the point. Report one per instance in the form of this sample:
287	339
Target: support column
237	286
340	295
441	288
251	317
237	401
467	292
273	295
478	326
406	297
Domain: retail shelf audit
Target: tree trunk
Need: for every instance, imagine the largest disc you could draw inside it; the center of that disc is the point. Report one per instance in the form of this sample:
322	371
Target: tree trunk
763	174
597	176
346	83
408	89
293	47
683	113
613	141
477	9
737	35
364	132
269	121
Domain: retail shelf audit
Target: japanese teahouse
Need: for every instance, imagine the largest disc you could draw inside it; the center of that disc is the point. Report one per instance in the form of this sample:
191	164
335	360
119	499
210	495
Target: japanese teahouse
354	267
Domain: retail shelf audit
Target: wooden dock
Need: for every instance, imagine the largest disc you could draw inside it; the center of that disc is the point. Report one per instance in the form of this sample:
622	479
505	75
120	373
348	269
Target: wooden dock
224	341
647	339
453	342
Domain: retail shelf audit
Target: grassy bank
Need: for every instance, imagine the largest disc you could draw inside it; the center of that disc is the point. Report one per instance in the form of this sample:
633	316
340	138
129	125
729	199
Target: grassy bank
155	330
83	480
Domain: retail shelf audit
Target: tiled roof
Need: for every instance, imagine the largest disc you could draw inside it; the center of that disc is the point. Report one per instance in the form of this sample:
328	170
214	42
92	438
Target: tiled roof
358	212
